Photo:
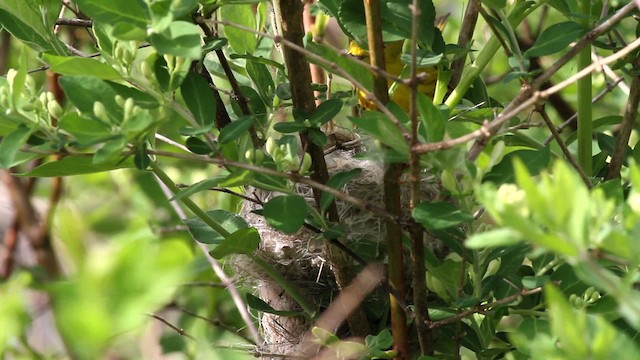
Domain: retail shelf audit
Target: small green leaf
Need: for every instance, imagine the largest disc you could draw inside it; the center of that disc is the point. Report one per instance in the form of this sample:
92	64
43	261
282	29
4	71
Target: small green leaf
141	160
286	213
72	165
325	112
197	146
555	38
11	144
199	99
73	65
86	130
198	187
262	79
337	181
432	119
258	304
83	91
235	129
317	136
289	127
493	238
212	44
439	215
243	241
203	233
181	38
535	161
381	128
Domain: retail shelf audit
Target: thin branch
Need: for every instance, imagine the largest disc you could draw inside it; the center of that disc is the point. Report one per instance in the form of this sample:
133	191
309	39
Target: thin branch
74	22
628	122
483	308
543	113
180	331
464	38
218	323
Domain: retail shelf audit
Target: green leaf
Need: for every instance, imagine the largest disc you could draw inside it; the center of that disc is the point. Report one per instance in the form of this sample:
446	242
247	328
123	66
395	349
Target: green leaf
199	99
535	161
346	63
493	238
286	213
111	149
243	241
198	187
86	130
258	304
241	41
431	118
181	38
337	181
381	128
439	215
10	145
83	91
555	38
142	99
115	11
203	233
235	129
197	146
326	111
289	127
32	21
77	165
127	32
317	136
67	65
262	79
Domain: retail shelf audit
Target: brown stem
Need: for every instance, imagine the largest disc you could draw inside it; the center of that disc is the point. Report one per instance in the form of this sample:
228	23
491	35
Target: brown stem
628	121
543	113
391	185
235	86
289	13
75	22
464	38
5	46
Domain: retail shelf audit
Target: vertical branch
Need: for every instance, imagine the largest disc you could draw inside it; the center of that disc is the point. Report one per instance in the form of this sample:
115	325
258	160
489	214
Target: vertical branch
628	121
585	126
391	186
464	38
416	233
289	13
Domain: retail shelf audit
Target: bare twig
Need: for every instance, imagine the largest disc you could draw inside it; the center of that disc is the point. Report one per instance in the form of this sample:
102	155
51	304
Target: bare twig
180	331
622	139
483	308
464	38
74	22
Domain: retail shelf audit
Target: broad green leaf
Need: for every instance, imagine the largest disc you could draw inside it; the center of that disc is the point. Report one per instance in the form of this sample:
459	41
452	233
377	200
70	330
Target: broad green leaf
77	165
431	118
142	99
198	187
199	99
325	112
205	234
243	241
494	238
534	160
337	181
115	11
439	215
555	38
197	146
127	32
241	41
73	65
495	4
286	213
382	129
32	22
10	145
86	130
181	38
111	150
235	129
258	304
84	91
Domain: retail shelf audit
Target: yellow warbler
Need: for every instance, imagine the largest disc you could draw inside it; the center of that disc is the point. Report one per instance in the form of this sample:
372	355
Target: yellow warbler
401	93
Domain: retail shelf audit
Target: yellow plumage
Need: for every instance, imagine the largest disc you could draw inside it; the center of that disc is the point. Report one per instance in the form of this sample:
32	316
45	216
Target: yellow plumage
401	93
